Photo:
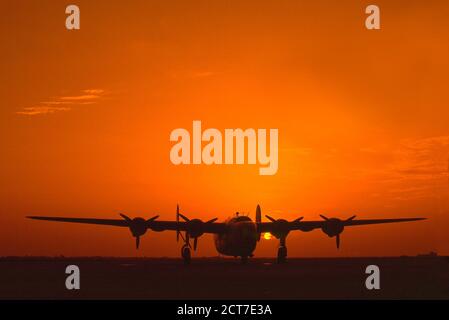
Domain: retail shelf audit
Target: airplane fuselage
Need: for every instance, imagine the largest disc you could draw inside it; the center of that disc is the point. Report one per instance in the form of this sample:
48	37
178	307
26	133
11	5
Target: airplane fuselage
239	239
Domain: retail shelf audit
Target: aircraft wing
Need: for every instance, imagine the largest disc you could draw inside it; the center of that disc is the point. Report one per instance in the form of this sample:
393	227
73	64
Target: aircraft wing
311	225
106	222
156	225
378	221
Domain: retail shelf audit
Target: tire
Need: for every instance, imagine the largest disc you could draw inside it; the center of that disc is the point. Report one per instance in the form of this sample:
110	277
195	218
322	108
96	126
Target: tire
282	255
186	255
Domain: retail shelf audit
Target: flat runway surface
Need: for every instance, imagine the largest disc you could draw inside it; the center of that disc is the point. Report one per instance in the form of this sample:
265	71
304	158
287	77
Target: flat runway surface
214	278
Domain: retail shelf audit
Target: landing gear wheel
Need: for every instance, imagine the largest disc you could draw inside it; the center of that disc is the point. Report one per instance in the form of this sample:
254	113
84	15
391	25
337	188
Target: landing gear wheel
282	254
185	253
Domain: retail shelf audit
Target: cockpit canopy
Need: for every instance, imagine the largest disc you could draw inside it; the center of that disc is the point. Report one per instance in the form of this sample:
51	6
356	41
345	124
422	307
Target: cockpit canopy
240	218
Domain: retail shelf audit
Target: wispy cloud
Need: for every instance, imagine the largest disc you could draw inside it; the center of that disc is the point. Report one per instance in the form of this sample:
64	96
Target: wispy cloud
195	74
414	168
202	74
80	98
298	151
95	91
405	169
32	111
425	158
64	103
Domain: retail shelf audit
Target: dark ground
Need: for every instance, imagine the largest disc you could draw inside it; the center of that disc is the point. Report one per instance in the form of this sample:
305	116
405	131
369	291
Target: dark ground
213	278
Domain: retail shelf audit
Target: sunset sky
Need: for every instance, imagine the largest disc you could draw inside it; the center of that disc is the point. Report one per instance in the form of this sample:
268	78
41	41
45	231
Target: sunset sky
86	116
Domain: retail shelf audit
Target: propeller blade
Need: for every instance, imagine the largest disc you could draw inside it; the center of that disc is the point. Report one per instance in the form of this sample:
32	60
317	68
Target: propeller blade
187	239
270	218
212	220
338	241
177	221
152	219
298	220
184	217
182	237
325	218
137	242
195	243
351	218
125	217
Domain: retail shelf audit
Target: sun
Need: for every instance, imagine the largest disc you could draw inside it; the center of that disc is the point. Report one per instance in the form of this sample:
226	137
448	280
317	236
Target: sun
267	236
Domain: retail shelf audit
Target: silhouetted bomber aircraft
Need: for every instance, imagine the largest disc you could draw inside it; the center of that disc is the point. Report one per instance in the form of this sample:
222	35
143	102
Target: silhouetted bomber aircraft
236	236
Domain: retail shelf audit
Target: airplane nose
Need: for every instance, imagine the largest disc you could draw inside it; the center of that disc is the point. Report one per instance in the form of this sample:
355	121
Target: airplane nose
249	233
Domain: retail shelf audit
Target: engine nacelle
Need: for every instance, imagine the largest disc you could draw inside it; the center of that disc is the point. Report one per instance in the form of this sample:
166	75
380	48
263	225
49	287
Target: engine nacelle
138	227
195	228
280	228
333	227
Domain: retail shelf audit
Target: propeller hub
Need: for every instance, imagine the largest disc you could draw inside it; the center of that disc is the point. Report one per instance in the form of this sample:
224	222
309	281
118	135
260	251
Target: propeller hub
195	228
333	227
138	227
280	228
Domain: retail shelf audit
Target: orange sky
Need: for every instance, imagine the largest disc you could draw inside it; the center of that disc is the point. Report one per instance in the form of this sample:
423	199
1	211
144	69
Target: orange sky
86	116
